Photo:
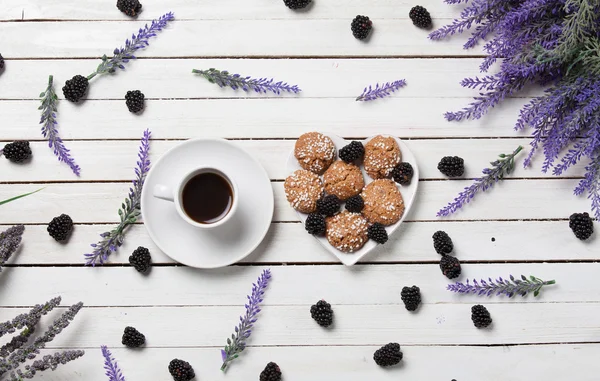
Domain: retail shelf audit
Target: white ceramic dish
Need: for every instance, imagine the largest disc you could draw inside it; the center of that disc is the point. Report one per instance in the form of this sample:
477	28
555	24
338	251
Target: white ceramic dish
408	194
223	245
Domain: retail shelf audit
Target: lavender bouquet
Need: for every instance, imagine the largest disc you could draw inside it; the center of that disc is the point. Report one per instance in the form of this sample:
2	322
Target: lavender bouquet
129	212
555	43
243	330
507	287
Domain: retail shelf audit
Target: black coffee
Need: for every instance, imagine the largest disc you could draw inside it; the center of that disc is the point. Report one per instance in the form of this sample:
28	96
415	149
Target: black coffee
207	198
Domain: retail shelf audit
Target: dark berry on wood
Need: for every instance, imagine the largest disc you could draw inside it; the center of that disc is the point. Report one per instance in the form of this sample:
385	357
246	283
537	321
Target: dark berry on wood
322	313
582	225
481	316
17	151
75	88
181	370
452	166
411	296
134	100
442	243
361	26
140	259
132	338
60	227
271	373
130	7
420	17
450	266
296	4
388	355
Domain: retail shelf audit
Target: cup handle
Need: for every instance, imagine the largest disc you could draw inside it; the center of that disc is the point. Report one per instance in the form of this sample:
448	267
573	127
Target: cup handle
164	192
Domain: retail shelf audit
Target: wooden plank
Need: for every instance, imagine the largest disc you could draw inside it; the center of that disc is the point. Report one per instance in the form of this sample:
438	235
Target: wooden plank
291	285
515	199
352	363
237	38
105	160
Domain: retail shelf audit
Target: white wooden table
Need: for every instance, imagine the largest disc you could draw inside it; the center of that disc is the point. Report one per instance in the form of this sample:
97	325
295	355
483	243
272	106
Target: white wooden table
519	228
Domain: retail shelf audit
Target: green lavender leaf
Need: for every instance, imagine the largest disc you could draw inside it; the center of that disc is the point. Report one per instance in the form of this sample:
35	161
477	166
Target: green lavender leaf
18	197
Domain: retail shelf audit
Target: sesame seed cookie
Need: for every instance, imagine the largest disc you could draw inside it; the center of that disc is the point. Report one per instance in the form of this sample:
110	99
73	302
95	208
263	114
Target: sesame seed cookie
302	190
315	152
383	202
343	180
347	231
382	154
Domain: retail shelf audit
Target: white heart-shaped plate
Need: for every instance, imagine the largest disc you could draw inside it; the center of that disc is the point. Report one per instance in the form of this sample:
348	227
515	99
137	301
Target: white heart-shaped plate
408	194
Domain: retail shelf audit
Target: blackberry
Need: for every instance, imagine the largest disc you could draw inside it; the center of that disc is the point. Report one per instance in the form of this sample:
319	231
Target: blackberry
403	173
130	7
388	355
17	151
582	225
328	205
132	338
75	88
352	152
452	166
442	243
420	17
411	296
450	266
361	26
315	224
322	313
1	62
296	4
481	316
60	227
141	259
355	204
271	373
181	370
377	233
134	100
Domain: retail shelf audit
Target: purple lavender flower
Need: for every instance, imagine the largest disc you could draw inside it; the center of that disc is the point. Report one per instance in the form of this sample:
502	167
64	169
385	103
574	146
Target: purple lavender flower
511	287
49	127
370	94
236	81
129	212
237	343
10	240
110	365
504	165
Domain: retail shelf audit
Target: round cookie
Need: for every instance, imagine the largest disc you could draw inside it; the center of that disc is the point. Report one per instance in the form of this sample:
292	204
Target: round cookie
382	154
347	231
302	190
343	180
383	202
315	152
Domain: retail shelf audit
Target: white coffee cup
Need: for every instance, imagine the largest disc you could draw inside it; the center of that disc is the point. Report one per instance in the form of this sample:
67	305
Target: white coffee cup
175	195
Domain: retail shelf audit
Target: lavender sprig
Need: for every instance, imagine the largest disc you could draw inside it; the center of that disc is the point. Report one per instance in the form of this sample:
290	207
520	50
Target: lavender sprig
110	365
49	127
47	362
511	287
237	343
236	81
140	41
370	94
129	212
504	165
10	240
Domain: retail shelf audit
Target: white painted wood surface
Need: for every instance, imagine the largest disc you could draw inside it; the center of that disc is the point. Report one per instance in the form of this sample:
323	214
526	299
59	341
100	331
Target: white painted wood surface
518	227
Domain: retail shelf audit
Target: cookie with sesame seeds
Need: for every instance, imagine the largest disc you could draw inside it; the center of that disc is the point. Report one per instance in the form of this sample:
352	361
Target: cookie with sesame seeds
343	180
315	152
347	232
382	154
302	190
383	202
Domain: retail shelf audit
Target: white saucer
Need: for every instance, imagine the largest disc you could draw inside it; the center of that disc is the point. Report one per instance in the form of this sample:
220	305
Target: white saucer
408	195
223	245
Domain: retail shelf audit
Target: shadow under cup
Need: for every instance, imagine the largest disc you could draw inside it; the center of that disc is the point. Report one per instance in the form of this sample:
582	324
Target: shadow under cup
207	197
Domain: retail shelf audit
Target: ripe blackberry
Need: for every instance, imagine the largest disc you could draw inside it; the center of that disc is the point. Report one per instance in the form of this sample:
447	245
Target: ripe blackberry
452	166
322	313
388	355
296	4
442	243
352	152
271	373
1	62
481	316
315	224
582	225
134	100
132	338
450	266
328	205
181	370
420	17
411	296
355	204
60	227
17	151
403	173
141	259
377	233
75	88
361	26
130	7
